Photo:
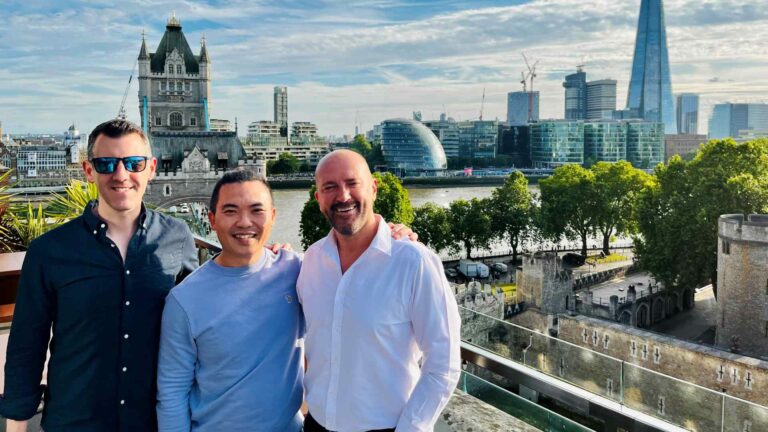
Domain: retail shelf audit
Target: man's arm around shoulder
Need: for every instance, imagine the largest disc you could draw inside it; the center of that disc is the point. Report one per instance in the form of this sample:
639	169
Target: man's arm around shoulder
436	325
175	369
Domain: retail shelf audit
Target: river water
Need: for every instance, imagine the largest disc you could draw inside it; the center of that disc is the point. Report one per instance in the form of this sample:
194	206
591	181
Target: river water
290	202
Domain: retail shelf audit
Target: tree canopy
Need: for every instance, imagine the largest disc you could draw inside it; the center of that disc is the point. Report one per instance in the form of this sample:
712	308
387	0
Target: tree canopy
510	210
567	207
285	164
678	214
432	224
470	224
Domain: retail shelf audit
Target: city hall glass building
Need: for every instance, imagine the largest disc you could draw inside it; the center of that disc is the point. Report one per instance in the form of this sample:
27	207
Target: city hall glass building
556	142
411	149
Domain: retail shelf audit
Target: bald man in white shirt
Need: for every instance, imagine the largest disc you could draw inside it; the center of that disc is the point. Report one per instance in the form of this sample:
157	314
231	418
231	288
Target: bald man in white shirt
374	308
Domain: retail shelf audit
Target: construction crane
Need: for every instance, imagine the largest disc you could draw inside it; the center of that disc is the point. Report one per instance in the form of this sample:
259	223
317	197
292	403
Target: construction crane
121	111
531	76
482	105
524	81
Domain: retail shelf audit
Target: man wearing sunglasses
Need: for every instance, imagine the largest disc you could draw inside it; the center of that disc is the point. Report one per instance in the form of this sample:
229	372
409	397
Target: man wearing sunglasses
98	285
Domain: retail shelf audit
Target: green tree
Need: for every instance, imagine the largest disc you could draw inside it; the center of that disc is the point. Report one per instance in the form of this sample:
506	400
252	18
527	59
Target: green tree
286	163
431	222
375	156
678	214
510	211
392	202
470	224
616	189
361	145
567	207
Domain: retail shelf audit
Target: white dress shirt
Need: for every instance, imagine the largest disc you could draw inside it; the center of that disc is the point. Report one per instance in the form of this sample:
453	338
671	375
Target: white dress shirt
367	330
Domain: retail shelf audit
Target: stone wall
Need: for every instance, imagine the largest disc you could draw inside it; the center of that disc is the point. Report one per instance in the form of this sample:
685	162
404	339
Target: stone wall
742	281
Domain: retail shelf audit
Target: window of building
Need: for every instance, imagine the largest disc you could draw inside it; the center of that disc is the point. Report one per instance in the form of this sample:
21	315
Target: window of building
176	120
192	121
187	86
158	121
726	247
178	69
170	68
161	86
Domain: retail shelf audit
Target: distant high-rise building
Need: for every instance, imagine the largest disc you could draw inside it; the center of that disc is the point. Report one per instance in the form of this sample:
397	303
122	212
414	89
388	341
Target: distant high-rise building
515	141
687	108
650	88
477	138
410	148
733	120
601	99
576	95
517	108
281	108
556	142
645	144
447	131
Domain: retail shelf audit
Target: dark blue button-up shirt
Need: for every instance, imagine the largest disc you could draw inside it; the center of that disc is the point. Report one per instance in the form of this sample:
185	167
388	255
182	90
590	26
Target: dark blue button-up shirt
105	315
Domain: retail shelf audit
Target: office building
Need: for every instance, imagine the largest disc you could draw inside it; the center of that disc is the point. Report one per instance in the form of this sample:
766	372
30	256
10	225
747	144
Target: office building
477	138
219	125
683	145
522	108
650	87
556	142
687	110
736	120
447	131
645	144
605	140
515	141
576	95
601	99
411	149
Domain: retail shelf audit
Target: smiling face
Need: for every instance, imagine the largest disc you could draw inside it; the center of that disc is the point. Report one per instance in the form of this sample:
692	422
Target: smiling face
243	219
345	192
120	192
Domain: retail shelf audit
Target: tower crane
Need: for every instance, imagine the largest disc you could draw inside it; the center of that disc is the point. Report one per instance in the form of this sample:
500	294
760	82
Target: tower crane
121	111
531	75
482	105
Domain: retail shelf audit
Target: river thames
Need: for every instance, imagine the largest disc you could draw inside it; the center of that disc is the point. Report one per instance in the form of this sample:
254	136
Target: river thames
290	202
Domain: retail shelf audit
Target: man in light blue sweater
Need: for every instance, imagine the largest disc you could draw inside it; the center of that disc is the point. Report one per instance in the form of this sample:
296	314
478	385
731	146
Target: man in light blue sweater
230	350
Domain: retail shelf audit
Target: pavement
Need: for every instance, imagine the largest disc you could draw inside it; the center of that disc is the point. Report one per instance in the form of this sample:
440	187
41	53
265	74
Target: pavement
602	292
695	325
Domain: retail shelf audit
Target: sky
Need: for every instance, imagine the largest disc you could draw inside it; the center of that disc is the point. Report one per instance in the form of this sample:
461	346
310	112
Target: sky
361	62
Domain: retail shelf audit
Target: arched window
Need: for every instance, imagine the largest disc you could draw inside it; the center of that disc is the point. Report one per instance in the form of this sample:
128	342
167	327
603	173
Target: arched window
176	120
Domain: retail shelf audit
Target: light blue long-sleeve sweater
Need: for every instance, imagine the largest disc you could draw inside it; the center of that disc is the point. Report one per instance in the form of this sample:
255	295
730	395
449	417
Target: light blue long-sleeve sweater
230	351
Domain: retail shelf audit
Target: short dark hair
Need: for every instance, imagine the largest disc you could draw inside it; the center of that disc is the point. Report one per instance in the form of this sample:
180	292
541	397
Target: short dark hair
116	128
237	176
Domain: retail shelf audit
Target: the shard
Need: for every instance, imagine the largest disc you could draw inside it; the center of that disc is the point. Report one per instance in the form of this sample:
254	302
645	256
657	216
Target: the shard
650	88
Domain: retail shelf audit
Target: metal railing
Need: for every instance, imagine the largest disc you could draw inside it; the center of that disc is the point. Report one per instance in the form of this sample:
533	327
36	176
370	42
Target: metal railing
660	396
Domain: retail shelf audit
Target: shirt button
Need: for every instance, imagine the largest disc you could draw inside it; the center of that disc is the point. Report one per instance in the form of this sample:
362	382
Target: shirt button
103	226
95	232
122	402
127	302
111	245
127	272
125	368
125	336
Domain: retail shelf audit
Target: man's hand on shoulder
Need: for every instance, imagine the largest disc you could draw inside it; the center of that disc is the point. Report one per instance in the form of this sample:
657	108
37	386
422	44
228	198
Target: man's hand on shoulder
400	231
16	426
275	247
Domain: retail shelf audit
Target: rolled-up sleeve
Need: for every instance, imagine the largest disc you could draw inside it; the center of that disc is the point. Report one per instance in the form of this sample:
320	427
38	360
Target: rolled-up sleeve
176	369
436	325
28	341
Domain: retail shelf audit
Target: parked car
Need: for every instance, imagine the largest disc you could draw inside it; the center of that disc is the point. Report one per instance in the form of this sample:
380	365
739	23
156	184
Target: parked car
451	272
184	208
499	267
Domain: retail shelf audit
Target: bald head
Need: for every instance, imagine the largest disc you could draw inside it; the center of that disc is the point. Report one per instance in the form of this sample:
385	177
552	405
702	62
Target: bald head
344	158
345	191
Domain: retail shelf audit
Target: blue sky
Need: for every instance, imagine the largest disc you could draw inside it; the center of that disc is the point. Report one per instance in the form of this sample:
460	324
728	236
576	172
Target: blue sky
65	61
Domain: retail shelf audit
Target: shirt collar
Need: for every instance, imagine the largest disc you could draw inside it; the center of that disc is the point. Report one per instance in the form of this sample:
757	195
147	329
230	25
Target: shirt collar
382	241
94	222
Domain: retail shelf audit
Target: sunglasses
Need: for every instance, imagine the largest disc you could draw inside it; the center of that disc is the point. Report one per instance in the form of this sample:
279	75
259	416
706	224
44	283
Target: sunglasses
108	165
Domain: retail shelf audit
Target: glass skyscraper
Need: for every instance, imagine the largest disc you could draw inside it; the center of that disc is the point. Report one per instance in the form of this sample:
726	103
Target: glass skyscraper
650	88
734	120
645	144
576	95
605	141
517	107
687	109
